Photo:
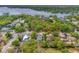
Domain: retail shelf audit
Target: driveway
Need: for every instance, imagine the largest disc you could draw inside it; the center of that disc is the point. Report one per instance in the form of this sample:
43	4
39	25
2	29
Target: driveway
4	49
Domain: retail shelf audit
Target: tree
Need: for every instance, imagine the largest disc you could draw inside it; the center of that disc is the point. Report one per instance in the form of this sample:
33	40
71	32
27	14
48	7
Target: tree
45	36
65	50
33	35
44	44
29	46
56	34
60	45
8	35
67	27
6	14
20	38
16	42
57	43
76	35
23	16
19	28
38	27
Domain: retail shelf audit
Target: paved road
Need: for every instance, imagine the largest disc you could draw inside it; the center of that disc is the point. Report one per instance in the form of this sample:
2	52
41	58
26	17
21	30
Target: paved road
4	49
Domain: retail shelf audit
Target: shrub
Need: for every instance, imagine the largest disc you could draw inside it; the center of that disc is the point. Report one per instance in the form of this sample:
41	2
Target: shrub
10	50
33	35
45	44
56	34
20	38
29	46
19	28
58	43
76	35
8	35
16	42
65	50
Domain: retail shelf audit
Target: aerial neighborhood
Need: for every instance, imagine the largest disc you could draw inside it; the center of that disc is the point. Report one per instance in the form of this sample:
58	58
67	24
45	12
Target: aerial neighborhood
40	32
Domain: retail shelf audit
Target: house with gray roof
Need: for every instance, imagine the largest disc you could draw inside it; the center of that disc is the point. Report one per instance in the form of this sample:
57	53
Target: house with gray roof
39	36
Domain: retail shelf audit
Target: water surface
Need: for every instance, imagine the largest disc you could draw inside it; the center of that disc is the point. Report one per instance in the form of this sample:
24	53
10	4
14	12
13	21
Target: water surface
16	11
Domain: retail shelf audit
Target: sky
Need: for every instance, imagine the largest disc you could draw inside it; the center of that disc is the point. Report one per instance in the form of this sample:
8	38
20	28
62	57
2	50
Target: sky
38	2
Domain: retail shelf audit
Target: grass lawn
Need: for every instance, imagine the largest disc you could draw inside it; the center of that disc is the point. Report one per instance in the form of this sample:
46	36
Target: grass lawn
74	50
52	50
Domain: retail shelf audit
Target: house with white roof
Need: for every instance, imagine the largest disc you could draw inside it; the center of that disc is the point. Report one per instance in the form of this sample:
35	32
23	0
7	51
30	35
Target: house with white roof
25	37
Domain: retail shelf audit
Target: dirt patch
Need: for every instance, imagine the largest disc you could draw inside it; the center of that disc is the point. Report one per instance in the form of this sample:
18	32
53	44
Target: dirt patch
73	50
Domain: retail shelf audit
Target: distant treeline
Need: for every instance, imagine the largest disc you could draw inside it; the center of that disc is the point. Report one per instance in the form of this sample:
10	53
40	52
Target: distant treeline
50	8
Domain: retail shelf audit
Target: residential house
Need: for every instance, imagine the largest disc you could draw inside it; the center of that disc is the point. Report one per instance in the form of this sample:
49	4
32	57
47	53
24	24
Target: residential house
25	37
71	39
49	37
67	38
63	35
39	36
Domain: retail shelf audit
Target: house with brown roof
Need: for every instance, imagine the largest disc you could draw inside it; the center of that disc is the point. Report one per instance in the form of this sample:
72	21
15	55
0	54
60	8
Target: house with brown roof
67	38
49	37
39	36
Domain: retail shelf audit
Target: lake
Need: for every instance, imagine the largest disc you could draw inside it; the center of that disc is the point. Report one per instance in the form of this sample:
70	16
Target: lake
16	11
